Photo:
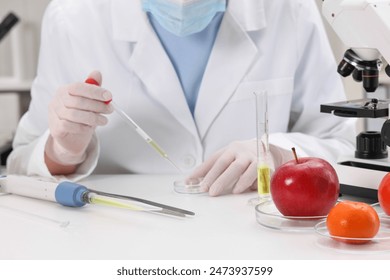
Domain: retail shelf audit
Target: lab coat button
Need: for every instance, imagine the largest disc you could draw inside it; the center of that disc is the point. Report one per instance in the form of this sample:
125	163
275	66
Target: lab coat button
189	161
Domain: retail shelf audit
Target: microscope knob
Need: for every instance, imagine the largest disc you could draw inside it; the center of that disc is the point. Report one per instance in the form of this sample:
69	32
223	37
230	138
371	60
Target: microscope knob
387	70
386	132
370	145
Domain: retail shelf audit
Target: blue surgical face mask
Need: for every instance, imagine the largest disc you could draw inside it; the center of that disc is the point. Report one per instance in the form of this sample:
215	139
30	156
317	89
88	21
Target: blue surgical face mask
184	17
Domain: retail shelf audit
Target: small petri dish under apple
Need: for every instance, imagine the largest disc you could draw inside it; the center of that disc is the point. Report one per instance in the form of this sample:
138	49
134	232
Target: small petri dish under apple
188	186
380	243
269	216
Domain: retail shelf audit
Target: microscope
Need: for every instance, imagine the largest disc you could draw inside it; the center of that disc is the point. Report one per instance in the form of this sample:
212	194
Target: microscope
364	26
7	23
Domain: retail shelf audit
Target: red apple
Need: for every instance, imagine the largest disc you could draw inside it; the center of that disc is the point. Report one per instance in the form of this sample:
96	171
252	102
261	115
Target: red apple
384	194
307	186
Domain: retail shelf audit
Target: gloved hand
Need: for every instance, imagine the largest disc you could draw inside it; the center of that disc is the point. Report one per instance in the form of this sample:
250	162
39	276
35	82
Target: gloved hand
280	155
235	167
231	168
74	113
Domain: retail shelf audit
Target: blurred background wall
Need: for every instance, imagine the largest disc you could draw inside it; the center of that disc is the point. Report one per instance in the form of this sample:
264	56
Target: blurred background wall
18	60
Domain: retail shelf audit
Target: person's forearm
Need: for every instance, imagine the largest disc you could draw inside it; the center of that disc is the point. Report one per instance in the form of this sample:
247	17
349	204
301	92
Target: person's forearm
60	161
57	168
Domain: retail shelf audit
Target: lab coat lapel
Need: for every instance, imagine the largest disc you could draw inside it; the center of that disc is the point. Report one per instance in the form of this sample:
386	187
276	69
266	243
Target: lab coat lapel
149	60
230	59
152	65
232	55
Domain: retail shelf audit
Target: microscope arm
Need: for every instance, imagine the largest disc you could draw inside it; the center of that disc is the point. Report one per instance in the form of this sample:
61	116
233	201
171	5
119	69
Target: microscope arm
364	26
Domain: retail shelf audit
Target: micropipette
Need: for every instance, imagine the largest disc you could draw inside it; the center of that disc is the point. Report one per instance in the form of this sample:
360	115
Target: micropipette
137	128
76	195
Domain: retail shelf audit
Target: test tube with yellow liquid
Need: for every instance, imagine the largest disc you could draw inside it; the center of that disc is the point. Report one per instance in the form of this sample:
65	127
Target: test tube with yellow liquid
263	180
264	162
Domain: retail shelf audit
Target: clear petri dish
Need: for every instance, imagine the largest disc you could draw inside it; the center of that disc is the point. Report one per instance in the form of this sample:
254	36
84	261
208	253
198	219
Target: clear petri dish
269	216
188	186
259	199
380	243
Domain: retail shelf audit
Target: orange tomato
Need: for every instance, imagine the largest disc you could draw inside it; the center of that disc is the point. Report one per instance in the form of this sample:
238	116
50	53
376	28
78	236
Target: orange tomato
384	194
353	220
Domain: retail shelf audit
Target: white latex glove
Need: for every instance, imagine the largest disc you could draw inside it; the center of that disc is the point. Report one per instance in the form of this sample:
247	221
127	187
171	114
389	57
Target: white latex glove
233	168
74	113
281	155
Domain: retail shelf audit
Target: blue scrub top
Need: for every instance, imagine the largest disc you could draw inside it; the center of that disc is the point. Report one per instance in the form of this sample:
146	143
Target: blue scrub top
189	55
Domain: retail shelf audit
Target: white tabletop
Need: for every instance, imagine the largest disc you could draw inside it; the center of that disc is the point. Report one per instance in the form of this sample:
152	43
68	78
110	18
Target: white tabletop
223	228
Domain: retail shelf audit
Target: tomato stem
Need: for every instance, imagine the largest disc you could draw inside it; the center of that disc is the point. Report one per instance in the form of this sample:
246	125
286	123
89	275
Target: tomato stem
295	154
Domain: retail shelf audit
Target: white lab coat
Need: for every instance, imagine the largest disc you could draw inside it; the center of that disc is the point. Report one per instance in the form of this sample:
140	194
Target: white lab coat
278	46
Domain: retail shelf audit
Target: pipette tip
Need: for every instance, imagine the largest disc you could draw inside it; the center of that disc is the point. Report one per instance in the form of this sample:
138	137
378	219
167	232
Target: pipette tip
174	165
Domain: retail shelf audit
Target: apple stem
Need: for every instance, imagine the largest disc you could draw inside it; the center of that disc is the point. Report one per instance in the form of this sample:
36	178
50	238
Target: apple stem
295	154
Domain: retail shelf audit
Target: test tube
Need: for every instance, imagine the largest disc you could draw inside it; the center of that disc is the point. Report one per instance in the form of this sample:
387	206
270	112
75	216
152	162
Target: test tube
263	153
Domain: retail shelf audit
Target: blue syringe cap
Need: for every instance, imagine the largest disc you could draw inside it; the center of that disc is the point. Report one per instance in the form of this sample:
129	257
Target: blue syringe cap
70	194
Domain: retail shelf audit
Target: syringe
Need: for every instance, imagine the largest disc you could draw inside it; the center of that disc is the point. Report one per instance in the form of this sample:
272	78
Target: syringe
125	117
75	195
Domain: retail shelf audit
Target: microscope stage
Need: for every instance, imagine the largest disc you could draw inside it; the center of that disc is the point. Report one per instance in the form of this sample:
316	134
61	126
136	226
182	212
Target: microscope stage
359	108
